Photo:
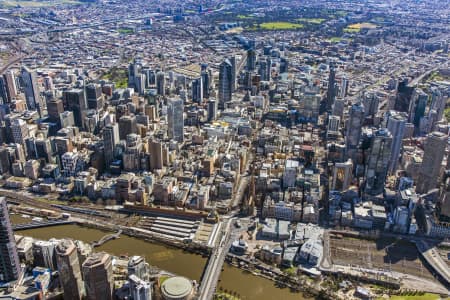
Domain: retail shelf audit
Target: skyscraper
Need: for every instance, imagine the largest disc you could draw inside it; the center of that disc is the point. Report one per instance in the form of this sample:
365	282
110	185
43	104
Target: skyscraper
20	131
9	260
434	150
331	92
11	87
354	126
127	125
225	82
69	270
396	122
138	267
251	60
378	161
75	101
94	96
140	289
417	106
197	90
4	97
98	276
110	140
206	79
161	83
233	63
31	89
175	119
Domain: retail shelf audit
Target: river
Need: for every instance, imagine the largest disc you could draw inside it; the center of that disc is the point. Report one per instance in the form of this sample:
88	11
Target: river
168	258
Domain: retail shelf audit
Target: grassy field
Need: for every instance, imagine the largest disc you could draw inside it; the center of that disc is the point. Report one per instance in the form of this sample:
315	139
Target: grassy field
315	21
279	26
118	76
426	296
32	3
358	26
125	30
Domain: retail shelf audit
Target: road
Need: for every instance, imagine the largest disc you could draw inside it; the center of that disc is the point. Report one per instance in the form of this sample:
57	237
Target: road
215	263
431	255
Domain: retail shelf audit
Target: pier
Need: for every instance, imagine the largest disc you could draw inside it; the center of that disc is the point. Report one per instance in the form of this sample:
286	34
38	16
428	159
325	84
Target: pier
107	238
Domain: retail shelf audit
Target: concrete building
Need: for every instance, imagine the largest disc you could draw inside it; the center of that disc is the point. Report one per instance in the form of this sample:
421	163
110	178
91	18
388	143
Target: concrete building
69	270
175	119
342	175
354	127
140	289
225	82
98	277
110	139
9	259
75	100
31	88
396	122
177	288
430	169
378	162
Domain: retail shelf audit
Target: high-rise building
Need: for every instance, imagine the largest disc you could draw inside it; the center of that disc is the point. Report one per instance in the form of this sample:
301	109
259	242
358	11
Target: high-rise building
140	289
54	109
265	67
233	62
342	175
175	119
251	60
284	65
75	101
161	83
371	103
156	154
438	102
417	106
354	126
331	91
133	70
225	82
212	109
11	87
20	131
9	259
434	151
98	276
206	79
197	90
110	139
127	125
396	122
44	254
31	88
378	161
69	270
138	267
4	97
94	96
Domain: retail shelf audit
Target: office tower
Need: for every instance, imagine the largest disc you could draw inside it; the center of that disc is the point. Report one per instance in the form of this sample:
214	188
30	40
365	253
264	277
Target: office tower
133	70
371	103
48	83
20	131
212	110
342	175
75	101
31	88
197	90
11	87
206	80
70	164
4	97
265	67
233	63
156	155
94	96
344	87
139	84
131	156
251	60
396	122
44	254
225	82
284	65
54	109
175	119
98	276
434	150
66	119
69	270
333	123
110	139
378	161
331	91
140	289
44	149
338	107
161	83
416	111
438	102
9	259
127	125
138	267
354	126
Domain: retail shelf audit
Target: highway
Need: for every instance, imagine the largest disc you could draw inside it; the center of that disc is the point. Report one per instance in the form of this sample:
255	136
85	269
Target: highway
215	263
